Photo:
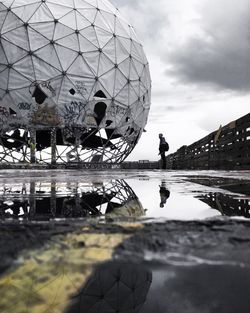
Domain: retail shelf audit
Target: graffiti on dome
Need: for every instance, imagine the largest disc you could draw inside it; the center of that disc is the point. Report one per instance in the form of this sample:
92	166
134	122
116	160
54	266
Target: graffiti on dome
115	110
81	87
73	111
25	106
4	115
4	112
45	86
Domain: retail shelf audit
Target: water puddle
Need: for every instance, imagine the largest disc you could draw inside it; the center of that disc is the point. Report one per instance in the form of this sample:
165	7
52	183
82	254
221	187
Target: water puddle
60	195
121	287
51	264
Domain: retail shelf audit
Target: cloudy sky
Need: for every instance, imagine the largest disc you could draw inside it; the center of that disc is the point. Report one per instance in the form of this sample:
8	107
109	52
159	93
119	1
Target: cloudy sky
199	55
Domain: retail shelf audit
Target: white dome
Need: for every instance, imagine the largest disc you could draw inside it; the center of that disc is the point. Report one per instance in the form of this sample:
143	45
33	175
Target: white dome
71	63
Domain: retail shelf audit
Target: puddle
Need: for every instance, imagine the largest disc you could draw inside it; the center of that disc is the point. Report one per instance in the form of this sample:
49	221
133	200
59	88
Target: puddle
39	196
133	288
182	266
227	205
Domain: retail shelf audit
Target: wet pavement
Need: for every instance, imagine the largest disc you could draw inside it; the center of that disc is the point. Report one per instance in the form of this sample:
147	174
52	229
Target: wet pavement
124	241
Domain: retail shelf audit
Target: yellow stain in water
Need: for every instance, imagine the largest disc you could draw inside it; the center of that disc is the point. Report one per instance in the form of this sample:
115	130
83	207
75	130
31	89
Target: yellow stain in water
46	278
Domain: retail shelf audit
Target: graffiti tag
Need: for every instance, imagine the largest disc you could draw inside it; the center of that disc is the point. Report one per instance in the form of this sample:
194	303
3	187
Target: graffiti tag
80	87
24	106
116	110
73	110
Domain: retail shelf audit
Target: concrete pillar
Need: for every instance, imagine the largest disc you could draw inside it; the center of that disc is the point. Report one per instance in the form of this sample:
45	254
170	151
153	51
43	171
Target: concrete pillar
53	146
32	145
53	198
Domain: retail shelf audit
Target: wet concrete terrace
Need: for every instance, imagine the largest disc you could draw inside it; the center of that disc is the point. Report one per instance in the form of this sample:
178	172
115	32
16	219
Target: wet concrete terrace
124	241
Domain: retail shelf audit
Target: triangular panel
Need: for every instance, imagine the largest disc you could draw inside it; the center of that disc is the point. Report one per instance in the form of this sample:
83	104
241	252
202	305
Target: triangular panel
92	60
66	56
3	15
69	20
86	45
25	66
110	50
46	29
62	31
70	42
12	52
103	36
120	82
42	13
11	22
25	12
90	34
19	37
108	80
89	14
58	10
49	55
36	40
66	3
17	80
44	71
81	21
4	79
80	68
110	20
81	4
105	65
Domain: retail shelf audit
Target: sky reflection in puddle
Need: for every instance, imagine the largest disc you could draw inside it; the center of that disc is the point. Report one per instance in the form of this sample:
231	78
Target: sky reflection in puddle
135	196
119	287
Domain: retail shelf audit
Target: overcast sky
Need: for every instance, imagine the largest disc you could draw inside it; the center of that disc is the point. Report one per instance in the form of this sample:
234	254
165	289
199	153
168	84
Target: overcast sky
199	55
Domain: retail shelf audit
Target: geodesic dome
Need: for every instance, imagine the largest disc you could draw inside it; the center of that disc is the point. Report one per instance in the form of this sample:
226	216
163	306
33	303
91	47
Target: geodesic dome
74	66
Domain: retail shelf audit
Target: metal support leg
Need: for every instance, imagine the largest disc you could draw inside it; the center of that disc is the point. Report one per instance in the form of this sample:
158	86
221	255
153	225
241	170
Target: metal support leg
32	198
53	146
53	198
32	146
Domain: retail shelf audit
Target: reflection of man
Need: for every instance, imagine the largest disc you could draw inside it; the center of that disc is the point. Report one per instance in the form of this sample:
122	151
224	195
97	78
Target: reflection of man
164	194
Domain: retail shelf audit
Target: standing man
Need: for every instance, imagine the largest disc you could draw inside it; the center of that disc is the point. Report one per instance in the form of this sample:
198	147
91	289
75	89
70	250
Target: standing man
163	147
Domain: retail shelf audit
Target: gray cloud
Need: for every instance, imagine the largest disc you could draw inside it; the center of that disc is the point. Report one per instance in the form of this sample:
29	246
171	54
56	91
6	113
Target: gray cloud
219	57
148	19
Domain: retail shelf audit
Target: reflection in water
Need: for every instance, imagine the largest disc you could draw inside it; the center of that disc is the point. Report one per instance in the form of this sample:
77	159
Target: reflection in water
113	287
43	201
164	193
226	204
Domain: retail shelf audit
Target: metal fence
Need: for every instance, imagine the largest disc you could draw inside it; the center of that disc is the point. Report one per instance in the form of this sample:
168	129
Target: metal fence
226	148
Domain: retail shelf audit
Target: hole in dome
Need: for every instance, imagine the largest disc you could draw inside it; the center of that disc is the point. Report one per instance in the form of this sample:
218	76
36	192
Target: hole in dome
100	111
127	118
112	134
39	95
108	123
72	91
97	159
100	94
12	112
14	140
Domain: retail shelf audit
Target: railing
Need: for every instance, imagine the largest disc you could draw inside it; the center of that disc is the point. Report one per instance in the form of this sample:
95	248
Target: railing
226	148
140	165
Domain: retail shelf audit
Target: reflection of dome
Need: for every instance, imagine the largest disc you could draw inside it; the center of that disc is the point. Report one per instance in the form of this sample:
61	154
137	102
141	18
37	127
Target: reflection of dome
77	66
114	287
131	208
57	200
